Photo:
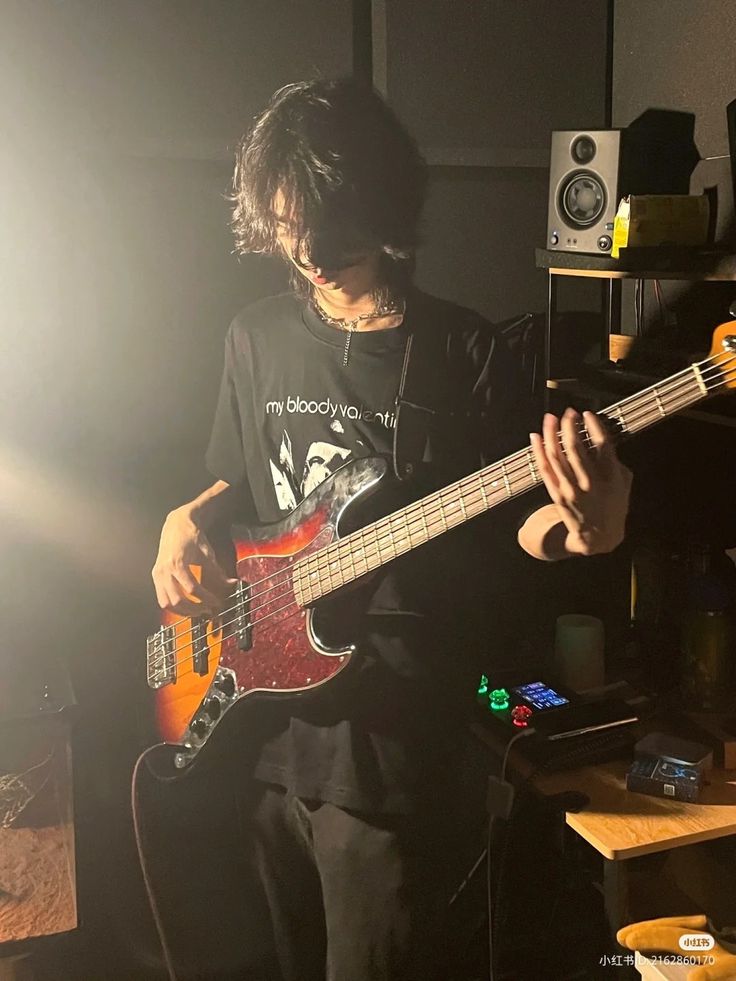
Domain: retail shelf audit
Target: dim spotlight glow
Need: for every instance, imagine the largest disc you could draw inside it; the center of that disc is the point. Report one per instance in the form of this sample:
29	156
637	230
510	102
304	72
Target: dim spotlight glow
99	535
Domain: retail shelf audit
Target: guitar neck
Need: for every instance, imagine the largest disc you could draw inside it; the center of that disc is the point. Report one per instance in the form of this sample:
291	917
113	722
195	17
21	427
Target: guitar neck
384	540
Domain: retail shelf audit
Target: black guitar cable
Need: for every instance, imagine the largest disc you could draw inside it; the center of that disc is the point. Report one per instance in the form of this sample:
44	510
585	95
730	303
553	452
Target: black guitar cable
499	804
508	802
502	800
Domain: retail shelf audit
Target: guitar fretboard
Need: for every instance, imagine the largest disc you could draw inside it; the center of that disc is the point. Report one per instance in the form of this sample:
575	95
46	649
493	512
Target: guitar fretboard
384	540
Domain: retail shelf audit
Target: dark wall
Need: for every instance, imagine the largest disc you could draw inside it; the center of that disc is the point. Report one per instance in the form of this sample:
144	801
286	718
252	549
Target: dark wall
482	86
496	75
679	54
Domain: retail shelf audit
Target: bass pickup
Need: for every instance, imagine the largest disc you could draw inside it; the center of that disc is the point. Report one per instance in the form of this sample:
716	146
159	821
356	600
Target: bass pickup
242	630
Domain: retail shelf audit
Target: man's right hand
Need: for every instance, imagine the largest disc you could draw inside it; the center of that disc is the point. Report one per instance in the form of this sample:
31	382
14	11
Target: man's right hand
184	545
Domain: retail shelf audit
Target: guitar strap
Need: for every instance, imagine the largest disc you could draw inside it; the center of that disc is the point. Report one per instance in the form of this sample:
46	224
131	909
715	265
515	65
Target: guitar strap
404	433
424	390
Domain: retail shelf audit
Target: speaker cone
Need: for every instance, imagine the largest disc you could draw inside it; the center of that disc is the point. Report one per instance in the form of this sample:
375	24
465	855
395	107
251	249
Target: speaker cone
582	199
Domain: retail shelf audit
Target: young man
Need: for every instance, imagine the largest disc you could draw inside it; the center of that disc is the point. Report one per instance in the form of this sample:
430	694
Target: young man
344	825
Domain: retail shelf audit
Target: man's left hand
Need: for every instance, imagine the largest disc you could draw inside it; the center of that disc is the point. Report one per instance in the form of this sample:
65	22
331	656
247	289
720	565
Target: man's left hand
588	483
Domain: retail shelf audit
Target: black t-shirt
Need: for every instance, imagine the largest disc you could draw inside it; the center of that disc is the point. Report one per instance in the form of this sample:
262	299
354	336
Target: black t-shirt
292	409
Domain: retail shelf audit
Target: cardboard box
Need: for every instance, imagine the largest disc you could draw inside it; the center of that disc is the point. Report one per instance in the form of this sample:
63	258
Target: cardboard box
649	220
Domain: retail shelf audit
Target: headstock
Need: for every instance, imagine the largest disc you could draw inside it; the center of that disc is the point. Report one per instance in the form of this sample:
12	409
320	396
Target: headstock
723	352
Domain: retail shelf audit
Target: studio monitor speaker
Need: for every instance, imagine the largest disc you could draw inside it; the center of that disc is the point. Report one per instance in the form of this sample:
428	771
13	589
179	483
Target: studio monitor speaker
590	170
583	188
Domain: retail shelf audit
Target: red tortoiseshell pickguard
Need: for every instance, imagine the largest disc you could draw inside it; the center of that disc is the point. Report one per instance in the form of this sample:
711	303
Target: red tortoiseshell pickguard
282	657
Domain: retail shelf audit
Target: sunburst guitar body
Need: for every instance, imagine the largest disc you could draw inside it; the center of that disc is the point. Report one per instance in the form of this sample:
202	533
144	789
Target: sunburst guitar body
266	640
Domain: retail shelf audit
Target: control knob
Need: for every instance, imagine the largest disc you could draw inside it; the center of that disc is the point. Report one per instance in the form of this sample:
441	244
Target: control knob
226	684
199	727
212	708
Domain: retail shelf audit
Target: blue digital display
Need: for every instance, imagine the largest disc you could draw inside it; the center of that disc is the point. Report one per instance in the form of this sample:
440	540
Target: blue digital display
540	696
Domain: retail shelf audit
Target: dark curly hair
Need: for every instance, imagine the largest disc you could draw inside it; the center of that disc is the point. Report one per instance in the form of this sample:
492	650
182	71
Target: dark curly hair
352	178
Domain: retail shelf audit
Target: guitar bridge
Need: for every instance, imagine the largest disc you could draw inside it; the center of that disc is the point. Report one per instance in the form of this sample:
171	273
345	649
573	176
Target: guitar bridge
161	658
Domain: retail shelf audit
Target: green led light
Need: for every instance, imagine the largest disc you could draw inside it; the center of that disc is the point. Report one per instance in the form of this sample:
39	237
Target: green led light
483	686
498	699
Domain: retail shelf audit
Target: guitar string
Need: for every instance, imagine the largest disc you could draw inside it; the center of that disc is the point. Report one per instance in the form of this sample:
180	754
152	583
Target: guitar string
501	470
522	455
342	542
446	513
458	511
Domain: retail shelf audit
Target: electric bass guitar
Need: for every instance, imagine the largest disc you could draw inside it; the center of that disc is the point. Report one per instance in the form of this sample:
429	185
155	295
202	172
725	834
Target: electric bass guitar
266	641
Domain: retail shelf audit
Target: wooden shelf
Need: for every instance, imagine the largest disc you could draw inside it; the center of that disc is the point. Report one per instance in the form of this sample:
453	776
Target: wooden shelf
682	264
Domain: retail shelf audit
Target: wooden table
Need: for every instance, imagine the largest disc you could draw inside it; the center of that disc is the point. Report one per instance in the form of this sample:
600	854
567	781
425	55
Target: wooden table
622	825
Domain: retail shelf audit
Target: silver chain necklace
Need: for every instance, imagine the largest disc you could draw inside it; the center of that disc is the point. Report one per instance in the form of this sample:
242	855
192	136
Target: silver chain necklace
350	326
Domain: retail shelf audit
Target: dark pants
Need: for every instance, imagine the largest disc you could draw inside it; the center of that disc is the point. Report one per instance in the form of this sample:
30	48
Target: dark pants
350	897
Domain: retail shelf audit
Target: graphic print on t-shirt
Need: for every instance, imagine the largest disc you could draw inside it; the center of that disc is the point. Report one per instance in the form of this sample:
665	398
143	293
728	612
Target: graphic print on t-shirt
322	459
293	479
